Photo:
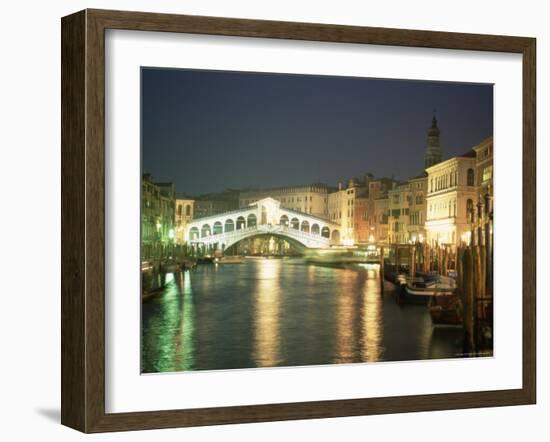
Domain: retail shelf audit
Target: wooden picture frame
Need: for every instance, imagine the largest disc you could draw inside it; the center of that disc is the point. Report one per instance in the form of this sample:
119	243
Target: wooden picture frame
83	220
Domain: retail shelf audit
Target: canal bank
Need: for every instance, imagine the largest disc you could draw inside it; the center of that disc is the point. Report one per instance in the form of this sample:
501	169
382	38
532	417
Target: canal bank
284	312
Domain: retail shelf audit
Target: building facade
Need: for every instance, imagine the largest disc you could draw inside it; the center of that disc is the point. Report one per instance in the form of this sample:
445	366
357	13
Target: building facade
184	215
381	220
484	177
310	199
484	167
362	225
399	208
450	200
157	214
342	206
417	208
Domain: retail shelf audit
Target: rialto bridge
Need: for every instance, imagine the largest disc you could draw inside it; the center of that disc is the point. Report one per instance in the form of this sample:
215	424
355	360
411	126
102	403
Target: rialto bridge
264	217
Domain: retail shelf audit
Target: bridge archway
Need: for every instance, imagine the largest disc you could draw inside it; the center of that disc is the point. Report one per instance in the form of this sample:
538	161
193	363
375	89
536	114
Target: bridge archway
251	220
325	232
217	228
295	223
229	225
241	223
284	221
315	229
205	230
335	237
305	226
194	233
292	241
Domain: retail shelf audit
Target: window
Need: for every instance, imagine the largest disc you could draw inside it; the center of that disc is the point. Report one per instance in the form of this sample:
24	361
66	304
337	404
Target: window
188	210
470	177
487	173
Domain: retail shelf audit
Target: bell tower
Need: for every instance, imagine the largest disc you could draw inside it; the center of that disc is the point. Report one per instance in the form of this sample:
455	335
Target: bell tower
433	148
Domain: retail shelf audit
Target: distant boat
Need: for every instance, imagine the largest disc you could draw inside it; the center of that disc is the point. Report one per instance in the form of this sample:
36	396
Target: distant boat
230	260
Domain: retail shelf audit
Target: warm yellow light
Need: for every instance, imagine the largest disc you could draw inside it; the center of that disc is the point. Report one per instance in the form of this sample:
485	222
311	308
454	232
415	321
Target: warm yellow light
348	242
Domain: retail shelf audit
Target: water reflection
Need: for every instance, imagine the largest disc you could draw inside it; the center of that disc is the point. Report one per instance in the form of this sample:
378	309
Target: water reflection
346	316
283	312
267	311
371	314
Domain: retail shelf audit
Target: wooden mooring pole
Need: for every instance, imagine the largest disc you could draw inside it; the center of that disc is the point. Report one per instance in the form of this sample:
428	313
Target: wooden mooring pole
468	299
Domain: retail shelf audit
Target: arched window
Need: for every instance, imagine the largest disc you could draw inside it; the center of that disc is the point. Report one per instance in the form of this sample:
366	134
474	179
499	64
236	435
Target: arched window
194	233
335	236
251	220
315	229
229	225
240	223
325	232
217	228
188	210
284	221
205	231
305	226
294	223
470	177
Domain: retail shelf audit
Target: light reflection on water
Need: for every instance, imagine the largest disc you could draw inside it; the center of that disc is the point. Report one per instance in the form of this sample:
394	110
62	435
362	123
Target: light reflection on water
283	312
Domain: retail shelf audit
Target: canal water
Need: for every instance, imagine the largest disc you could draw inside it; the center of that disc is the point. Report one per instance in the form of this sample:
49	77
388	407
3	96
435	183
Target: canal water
283	312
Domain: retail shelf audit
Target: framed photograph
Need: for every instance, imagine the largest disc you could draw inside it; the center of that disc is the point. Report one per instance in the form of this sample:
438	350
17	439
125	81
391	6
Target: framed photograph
269	220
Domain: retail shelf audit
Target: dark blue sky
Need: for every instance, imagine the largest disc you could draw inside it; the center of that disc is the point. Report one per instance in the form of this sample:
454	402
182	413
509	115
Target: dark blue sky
211	130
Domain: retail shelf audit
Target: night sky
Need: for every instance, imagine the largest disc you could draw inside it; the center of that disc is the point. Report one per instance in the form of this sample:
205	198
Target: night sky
211	130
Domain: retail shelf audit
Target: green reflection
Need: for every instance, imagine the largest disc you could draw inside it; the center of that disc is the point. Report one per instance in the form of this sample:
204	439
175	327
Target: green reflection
187	360
164	327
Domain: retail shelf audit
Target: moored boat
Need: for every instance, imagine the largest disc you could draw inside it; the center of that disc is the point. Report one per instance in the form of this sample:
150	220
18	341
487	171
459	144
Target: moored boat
446	310
418	290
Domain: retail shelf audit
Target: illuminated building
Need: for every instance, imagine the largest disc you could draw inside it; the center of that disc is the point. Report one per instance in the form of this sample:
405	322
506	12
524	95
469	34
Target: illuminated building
451	196
417	208
157	214
371	213
380	222
484	177
484	167
342	207
362	226
184	215
399	208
